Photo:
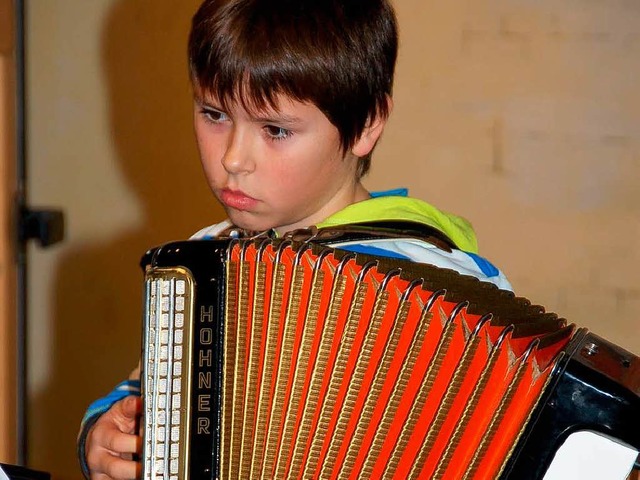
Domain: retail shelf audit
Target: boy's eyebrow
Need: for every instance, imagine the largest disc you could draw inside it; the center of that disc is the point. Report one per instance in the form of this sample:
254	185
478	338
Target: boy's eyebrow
276	117
205	103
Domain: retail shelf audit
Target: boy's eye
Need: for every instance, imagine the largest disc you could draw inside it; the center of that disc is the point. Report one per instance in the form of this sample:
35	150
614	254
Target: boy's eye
215	116
276	133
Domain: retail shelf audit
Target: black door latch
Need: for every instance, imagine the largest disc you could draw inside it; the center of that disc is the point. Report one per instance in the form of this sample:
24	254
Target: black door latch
44	225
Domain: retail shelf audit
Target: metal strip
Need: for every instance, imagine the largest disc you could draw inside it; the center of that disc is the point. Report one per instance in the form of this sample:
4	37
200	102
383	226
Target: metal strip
302	365
421	397
313	397
254	367
269	365
357	377
329	401
496	419
399	388
284	367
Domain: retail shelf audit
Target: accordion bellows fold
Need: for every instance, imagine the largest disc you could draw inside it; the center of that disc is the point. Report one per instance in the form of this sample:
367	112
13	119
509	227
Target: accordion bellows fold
275	359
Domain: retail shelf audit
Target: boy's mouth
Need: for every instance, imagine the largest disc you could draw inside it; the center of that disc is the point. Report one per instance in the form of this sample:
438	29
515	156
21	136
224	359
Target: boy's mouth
237	199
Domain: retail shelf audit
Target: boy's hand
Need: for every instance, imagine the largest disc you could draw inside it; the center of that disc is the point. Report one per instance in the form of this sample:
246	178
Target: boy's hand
113	439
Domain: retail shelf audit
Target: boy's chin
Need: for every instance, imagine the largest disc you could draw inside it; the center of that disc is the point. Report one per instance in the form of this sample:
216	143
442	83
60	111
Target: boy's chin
244	221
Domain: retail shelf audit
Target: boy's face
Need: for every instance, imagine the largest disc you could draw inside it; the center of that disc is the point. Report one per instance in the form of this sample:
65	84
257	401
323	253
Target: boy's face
281	169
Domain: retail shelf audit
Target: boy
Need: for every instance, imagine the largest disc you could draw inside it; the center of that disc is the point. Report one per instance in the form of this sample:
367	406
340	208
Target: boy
291	98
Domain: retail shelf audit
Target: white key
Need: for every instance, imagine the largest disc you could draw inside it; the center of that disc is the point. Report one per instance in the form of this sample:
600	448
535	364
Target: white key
180	304
175	450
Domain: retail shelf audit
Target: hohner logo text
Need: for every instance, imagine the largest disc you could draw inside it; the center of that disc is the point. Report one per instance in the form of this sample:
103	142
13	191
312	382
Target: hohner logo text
205	361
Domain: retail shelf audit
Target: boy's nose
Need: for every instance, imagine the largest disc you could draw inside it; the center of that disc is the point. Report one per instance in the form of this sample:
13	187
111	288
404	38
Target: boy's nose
237	158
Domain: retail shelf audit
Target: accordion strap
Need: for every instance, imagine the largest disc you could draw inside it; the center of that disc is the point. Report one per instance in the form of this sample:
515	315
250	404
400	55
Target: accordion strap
379	230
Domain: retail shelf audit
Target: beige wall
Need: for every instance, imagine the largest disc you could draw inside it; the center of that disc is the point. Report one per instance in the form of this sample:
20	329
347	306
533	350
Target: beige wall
7	256
524	117
110	143
520	116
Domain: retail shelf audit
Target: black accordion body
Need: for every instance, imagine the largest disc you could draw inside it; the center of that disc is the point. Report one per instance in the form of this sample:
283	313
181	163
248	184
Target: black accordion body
288	359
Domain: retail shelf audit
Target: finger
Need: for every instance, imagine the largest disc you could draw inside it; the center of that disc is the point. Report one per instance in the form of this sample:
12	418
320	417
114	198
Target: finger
119	442
120	469
110	433
131	406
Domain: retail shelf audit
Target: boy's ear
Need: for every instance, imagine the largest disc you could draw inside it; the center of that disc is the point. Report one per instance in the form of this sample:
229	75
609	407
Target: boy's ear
371	132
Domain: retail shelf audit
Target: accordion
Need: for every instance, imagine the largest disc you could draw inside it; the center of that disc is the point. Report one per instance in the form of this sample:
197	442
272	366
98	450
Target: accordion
289	359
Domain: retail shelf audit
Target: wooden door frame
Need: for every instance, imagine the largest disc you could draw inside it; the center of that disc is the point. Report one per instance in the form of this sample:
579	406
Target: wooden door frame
8	412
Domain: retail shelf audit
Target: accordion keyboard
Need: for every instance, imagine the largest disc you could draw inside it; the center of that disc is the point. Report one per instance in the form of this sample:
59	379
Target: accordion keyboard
167	377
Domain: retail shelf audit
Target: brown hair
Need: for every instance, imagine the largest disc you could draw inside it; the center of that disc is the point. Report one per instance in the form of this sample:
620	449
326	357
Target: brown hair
337	54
